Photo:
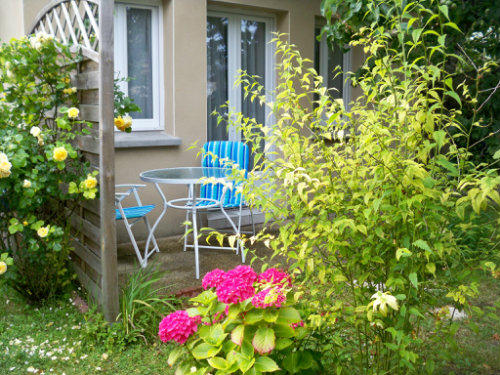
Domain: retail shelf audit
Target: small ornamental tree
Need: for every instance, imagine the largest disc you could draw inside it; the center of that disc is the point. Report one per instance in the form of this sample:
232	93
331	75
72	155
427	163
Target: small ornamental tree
243	323
371	204
42	173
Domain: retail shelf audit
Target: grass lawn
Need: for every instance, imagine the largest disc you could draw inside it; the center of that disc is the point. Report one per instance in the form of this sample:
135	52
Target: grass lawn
52	340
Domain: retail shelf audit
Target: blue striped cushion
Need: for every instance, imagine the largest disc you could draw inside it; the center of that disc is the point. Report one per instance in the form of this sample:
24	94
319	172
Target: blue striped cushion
134	212
214	153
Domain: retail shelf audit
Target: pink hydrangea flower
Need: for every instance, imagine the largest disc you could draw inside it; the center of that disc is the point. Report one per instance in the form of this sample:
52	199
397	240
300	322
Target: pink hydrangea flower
178	326
275	277
298	324
269	297
243	272
213	279
234	290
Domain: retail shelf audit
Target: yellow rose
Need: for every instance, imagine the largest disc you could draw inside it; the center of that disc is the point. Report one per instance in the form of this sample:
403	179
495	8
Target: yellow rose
5	166
73	112
60	154
90	182
43	232
3	268
26	184
119	123
127	121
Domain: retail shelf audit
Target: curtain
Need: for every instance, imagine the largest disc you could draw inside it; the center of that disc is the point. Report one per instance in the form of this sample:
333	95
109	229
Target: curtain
140	61
217	84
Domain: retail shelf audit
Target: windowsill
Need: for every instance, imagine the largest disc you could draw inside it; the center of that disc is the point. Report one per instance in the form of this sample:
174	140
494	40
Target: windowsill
156	138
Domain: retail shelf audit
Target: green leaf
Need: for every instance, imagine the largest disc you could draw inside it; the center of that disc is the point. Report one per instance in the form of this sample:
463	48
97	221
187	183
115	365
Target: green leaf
266	364
270	315
455	96
283	343
218	363
254	316
444	10
422	245
496	155
237	334
403	252
205	350
413	279
291	362
264	340
174	355
284	330
439	136
204	298
288	315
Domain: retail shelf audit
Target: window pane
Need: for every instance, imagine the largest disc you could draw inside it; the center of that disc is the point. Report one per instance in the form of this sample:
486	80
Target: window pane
335	80
217	84
253	61
140	60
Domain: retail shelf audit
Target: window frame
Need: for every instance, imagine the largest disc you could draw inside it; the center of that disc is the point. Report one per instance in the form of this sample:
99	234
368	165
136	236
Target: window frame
234	18
121	58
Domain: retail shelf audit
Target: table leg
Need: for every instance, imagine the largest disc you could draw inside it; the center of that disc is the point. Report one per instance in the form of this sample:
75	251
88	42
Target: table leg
153	228
194	219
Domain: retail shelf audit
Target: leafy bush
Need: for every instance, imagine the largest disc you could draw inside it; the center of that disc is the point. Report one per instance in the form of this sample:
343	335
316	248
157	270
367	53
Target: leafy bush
242	323
43	176
368	203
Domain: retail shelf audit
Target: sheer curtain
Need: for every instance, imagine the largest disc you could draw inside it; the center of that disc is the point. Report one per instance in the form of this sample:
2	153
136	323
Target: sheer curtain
217	74
140	61
253	61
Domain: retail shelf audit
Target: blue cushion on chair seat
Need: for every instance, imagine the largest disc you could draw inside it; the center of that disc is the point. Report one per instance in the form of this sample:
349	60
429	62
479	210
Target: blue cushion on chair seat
135	212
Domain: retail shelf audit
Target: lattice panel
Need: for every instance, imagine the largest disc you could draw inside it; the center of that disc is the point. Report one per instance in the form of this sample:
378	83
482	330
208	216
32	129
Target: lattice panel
73	22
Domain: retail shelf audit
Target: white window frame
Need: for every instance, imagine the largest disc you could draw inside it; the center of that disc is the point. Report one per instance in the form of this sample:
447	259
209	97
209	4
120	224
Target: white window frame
347	66
234	59
121	58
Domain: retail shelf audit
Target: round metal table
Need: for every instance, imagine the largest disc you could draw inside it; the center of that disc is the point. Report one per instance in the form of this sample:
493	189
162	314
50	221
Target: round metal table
190	176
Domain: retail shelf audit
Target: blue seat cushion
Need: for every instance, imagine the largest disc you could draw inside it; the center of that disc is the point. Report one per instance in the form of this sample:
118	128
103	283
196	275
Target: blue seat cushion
134	212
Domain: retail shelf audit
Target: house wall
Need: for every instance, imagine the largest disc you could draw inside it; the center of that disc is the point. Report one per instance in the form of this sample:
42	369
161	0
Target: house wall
184	84
12	22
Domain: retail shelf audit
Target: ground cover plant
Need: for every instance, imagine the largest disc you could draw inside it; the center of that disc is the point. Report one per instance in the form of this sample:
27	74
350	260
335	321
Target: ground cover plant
371	204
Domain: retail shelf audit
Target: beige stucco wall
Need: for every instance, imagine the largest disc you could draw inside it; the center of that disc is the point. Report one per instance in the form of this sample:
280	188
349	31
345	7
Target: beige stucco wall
11	19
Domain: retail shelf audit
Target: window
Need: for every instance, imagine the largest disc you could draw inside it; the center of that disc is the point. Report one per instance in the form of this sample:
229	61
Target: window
138	56
326	62
236	42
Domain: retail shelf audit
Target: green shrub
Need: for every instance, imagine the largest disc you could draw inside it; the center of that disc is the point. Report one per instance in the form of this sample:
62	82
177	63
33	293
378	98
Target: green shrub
42	174
367	203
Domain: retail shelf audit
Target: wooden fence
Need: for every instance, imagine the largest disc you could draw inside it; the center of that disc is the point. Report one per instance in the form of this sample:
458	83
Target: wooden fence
87	26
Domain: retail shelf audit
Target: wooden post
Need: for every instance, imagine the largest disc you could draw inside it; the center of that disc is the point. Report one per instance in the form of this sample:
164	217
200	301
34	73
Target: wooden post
110	303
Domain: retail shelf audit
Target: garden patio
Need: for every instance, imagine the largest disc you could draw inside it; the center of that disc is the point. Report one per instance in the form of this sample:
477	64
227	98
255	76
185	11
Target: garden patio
379	247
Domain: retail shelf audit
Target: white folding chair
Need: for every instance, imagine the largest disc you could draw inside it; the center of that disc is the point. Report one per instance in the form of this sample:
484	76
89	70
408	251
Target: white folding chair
132	215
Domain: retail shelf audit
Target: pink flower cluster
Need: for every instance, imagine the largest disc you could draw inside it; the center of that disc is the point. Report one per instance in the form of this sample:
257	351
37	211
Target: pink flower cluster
269	297
237	285
275	277
178	326
298	324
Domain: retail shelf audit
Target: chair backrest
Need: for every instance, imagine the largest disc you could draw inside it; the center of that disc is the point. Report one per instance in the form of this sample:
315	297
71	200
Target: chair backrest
221	154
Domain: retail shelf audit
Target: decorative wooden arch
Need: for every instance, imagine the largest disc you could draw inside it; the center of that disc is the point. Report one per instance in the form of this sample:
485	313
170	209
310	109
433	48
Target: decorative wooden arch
87	26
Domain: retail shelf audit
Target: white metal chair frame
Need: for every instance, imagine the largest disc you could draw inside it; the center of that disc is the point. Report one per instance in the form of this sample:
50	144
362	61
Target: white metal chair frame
130	218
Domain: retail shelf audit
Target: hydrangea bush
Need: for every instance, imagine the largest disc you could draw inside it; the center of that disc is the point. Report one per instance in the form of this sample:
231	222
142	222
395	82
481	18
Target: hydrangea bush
242	323
42	174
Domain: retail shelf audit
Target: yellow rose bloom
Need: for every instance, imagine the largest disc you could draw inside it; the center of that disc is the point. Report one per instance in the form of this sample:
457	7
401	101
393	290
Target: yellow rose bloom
5	166
26	184
60	154
127	121
43	232
73	112
90	182
119	123
3	267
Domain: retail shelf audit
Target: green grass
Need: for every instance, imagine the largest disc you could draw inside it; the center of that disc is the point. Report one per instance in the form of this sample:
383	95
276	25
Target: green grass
52	340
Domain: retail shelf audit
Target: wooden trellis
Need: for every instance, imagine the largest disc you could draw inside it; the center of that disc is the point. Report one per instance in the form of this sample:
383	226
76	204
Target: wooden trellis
87	26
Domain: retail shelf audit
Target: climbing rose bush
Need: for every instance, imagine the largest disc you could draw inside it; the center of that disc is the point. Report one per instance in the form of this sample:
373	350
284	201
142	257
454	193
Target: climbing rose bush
242	322
43	176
